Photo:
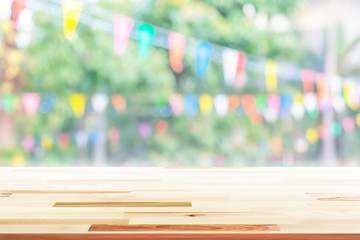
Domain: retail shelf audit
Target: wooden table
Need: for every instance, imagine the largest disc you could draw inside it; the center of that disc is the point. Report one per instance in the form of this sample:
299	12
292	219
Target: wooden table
180	203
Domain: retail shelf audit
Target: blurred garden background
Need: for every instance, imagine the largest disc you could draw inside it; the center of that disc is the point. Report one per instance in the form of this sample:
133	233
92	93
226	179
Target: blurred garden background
179	83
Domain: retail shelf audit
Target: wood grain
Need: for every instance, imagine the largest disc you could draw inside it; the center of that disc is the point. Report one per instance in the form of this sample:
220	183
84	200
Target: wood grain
122	204
180	203
185	228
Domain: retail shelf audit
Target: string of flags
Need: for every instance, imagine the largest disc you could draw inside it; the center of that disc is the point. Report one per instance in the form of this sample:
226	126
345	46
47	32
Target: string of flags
234	62
254	106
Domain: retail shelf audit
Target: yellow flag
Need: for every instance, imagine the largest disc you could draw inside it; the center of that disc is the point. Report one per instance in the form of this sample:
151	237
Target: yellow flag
206	103
351	95
270	76
312	135
18	161
71	10
46	142
77	102
299	98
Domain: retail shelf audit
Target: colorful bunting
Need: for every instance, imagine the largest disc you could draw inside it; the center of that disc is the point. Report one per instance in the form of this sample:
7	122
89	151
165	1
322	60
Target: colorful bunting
99	102
9	103
71	11
234	101
249	104
230	62
205	103
285	105
28	143
271	75
203	56
240	78
177	43
162	127
63	140
46	142
77	102
113	135
323	92
122	29
16	8
191	105
176	103
348	124
351	94
145	130
307	77
31	102
312	135
145	34
221	103
119	103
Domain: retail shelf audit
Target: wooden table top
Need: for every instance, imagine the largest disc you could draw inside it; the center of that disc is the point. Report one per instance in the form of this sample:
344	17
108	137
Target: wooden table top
180	203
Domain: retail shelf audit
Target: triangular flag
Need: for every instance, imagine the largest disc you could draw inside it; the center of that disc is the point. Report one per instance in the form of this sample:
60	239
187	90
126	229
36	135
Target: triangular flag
176	103
310	104
203	55
234	101
46	142
249	103
145	35
307	77
274	103
270	75
81	139
28	143
77	102
285	105
122	30
230	62
177	43
9	103
240	78
71	11
191	105
31	102
63	140
118	102
323	92
205	103
99	102
16	8
221	102
351	94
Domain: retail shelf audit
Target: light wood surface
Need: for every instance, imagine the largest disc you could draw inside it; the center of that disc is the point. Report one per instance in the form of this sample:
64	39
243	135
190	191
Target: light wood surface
180	203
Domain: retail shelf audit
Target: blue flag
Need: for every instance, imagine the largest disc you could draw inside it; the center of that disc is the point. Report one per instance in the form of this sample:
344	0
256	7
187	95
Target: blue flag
203	55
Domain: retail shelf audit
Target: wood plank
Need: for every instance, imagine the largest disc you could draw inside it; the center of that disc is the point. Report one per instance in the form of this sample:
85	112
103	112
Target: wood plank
180	236
185	228
5	194
122	204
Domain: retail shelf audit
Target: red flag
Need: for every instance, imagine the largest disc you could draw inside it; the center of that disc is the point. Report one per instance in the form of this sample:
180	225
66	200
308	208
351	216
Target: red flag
240	79
16	8
307	76
177	43
249	104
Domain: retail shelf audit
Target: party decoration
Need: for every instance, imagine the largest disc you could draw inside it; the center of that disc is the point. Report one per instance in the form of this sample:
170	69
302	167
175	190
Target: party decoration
221	103
230	62
81	139
336	129
145	130
203	55
9	103
28	143
240	79
113	135
176	103
17	7
77	102
63	140
274	103
145	34
177	43
18	161
205	102
323	92
261	103
46	142
71	11
307	77
99	102
348	124
31	102
285	105
162	126
323	132
119	103
310	104
249	104
351	94
234	101
270	75
338	104
301	145
276	145
358	119
122	29
312	135
191	105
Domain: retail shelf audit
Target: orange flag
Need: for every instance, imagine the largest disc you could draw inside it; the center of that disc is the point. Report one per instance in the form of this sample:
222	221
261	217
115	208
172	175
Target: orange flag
177	43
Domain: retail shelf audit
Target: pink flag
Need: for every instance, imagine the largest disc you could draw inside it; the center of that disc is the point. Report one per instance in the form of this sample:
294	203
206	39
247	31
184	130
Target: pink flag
274	102
176	103
31	102
122	29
